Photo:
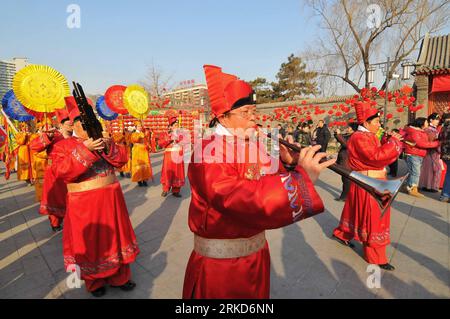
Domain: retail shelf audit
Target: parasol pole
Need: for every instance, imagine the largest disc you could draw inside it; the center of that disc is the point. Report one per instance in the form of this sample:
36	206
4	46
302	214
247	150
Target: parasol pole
45	119
9	121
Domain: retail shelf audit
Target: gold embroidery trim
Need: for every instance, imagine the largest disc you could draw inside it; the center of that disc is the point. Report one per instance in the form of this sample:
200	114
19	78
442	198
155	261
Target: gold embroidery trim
374	173
229	248
92	184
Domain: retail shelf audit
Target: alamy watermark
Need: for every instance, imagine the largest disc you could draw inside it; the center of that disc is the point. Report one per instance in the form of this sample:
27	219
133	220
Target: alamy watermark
374	16
374	279
73	21
74	279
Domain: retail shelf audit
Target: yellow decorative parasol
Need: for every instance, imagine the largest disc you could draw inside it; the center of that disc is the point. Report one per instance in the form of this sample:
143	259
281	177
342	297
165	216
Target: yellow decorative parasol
41	88
136	101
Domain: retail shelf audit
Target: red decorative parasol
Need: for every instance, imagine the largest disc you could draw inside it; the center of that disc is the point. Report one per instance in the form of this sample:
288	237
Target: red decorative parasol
114	99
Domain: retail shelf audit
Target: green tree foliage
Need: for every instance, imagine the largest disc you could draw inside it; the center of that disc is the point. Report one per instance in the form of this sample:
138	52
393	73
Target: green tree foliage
293	80
263	90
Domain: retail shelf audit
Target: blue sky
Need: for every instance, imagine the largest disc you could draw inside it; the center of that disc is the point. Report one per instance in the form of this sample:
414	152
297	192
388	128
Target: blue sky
118	40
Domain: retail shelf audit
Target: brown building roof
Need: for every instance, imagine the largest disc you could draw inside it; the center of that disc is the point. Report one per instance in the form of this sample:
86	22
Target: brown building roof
434	55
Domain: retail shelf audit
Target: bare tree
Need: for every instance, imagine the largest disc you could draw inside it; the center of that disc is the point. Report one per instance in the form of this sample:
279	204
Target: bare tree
357	32
156	82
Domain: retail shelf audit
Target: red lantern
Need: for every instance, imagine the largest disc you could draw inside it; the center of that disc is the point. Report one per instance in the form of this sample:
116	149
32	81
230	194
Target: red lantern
400	109
389	116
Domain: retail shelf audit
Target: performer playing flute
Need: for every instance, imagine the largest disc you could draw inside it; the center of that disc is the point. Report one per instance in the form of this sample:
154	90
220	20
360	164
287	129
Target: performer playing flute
232	203
361	217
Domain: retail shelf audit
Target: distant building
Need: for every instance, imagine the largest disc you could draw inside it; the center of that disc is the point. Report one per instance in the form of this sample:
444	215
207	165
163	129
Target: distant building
7	71
432	82
191	97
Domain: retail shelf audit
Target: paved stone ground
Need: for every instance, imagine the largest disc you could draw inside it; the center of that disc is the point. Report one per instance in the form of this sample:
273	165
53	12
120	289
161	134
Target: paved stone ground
306	263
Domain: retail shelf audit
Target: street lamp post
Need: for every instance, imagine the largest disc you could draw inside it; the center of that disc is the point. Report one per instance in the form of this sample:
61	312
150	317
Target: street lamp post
406	74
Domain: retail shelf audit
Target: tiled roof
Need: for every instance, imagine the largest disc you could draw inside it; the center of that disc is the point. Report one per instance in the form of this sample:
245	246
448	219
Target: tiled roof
434	55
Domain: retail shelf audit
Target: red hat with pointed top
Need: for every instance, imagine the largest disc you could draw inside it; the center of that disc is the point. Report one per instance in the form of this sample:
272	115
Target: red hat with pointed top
172	120
72	106
364	111
62	114
226	90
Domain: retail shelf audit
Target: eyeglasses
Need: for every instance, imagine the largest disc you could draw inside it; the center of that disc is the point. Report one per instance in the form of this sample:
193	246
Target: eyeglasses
245	114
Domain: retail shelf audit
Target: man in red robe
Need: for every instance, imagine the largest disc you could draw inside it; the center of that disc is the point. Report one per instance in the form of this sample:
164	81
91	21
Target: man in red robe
172	171
98	236
361	217
234	200
53	202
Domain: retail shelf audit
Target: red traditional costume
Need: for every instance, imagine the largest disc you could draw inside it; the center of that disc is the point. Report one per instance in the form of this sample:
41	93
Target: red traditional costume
121	139
232	204
361	217
98	236
172	171
54	191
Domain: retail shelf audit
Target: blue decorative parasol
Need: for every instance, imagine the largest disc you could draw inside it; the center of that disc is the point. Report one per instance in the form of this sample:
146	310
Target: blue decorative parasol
104	111
14	109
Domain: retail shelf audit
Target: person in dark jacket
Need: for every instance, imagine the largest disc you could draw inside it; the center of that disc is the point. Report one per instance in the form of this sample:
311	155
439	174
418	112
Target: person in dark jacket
281	131
305	136
342	158
322	135
297	133
393	168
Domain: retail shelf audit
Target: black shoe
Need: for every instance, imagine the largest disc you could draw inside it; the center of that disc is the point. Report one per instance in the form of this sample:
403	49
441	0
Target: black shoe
434	191
122	174
140	184
343	242
424	189
99	292
177	195
144	183
164	194
128	286
57	229
387	267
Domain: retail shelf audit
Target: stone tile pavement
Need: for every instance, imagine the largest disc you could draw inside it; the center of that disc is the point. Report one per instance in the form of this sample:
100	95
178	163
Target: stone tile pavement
306	263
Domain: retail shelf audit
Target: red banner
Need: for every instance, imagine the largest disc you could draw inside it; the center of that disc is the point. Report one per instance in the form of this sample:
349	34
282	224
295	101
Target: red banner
441	83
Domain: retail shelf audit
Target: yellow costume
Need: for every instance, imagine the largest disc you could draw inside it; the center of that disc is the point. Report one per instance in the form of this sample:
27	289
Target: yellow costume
32	153
141	169
23	157
39	166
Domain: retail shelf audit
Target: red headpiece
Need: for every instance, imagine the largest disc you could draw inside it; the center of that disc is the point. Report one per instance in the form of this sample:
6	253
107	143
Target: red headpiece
72	107
62	114
364	111
172	120
225	90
